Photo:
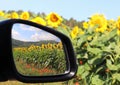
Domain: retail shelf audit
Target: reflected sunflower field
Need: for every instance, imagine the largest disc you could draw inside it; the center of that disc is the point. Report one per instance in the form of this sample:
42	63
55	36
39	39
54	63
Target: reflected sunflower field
96	43
46	59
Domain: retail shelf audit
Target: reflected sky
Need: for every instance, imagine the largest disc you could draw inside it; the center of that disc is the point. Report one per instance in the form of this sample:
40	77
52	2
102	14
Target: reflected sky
29	33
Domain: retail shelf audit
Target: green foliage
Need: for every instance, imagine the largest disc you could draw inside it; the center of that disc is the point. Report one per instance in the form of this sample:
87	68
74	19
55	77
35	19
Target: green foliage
97	49
98	57
40	58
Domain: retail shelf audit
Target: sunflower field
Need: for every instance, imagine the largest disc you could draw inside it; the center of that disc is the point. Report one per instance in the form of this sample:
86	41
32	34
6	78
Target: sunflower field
96	43
47	59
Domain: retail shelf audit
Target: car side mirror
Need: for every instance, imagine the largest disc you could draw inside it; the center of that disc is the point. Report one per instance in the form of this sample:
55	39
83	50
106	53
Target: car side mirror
39	53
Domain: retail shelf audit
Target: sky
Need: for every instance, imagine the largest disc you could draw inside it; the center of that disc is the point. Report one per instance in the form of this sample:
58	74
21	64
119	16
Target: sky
25	33
77	9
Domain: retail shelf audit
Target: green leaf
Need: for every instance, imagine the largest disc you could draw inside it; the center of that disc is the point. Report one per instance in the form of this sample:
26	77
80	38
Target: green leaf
110	47
96	80
86	73
78	56
87	67
64	31
80	70
118	65
116	76
99	69
117	49
81	40
96	60
111	66
94	41
107	37
94	50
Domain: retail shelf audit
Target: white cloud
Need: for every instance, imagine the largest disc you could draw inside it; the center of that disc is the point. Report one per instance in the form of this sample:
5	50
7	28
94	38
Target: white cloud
15	34
44	36
28	28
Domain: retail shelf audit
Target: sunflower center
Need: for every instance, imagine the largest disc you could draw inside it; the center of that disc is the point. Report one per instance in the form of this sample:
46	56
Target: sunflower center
25	16
54	18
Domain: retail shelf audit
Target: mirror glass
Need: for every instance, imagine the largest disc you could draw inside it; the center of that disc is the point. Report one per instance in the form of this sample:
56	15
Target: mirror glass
37	52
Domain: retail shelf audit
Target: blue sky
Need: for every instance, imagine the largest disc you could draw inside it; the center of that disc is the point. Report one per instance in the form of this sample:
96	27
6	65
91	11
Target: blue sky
28	33
78	9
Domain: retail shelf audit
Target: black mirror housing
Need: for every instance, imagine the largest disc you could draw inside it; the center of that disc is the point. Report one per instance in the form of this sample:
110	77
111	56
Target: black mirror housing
10	72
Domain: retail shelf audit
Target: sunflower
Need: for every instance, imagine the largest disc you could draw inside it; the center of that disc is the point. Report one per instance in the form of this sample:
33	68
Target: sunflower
1	13
39	20
118	25
85	25
74	32
98	21
53	19
25	15
14	15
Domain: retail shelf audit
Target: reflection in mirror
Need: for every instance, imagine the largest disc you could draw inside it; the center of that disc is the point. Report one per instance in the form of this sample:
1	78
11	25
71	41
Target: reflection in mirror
37	52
